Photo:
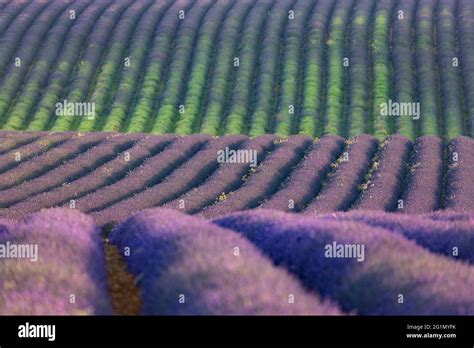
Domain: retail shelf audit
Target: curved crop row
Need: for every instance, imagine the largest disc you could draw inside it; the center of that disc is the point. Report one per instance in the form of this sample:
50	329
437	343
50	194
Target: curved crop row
228	177
381	190
380	125
111	171
404	77
30	149
50	159
162	122
47	56
454	239
158	58
261	105
202	64
146	29
357	110
231	276
188	175
12	140
72	169
111	66
13	36
65	273
337	70
92	26
291	69
465	16
310	119
152	171
341	186
250	48
459	194
14	76
392	276
305	181
264	180
218	90
422	189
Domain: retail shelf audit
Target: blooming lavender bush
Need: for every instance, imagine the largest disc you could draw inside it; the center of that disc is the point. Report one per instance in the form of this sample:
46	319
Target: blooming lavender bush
186	265
69	274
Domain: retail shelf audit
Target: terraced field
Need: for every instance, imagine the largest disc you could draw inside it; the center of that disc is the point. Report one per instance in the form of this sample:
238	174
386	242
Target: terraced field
239	67
113	175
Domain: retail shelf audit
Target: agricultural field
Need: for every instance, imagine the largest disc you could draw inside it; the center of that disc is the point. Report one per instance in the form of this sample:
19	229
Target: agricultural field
237	157
249	67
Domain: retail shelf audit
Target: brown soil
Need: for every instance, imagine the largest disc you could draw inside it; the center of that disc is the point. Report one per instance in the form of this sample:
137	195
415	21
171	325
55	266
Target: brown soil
125	294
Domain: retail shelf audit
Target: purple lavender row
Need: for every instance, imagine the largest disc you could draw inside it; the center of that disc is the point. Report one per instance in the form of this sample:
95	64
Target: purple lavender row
152	171
367	270
9	12
305	181
451	236
11	140
88	30
12	37
50	159
228	177
62	271
266	179
191	173
382	189
341	187
110	56
30	149
459	195
422	190
28	51
71	170
188	266
111	171
32	86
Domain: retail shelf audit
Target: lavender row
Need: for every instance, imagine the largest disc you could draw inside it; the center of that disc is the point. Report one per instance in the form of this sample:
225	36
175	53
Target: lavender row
305	181
265	179
29	50
47	56
62	271
448	234
188	175
72	169
47	161
112	171
226	178
459	194
381	190
152	171
11	140
188	266
117	49
158	58
423	186
381	273
341	186
88	34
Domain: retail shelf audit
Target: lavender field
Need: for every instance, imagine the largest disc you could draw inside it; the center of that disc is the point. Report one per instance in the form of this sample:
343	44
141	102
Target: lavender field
237	157
256	262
